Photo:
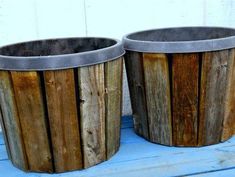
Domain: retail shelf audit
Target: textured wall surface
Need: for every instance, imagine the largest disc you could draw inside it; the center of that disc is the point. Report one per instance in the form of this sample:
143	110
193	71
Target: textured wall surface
38	19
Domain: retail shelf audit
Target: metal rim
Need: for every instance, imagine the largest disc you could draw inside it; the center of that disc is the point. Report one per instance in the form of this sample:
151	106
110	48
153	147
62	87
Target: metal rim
62	61
183	46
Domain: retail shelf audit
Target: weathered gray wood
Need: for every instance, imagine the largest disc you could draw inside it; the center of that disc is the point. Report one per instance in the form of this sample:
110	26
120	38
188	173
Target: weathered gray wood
113	105
29	101
185	76
157	88
63	118
135	75
11	121
92	112
4	132
229	113
212	96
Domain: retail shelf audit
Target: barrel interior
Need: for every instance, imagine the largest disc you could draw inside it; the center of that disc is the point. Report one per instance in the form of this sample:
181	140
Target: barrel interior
182	34
56	47
184	99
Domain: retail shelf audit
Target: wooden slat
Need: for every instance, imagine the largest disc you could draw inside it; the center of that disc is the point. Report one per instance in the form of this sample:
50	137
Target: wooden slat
157	87
11	122
135	75
212	96
32	117
92	112
63	118
3	128
4	132
185	73
113	105
229	113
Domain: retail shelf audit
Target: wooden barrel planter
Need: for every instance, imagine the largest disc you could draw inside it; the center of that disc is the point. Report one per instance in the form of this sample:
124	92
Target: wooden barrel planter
61	102
182	84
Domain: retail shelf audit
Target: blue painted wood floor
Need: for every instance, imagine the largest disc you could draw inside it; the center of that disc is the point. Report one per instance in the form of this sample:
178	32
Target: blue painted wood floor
139	158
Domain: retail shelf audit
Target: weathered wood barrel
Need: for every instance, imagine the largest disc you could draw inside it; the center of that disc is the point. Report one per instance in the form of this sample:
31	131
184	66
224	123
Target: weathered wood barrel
61	102
182	84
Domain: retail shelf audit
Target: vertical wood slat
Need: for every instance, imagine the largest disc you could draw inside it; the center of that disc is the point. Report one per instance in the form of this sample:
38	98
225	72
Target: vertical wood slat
229	114
113	106
135	75
63	118
157	87
11	121
212	98
31	111
92	112
4	132
185	73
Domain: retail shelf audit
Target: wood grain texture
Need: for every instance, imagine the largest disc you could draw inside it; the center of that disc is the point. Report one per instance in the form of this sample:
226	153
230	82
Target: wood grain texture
31	112
135	76
63	118
113	105
212	96
4	132
138	158
92	112
229	112
185	73
157	88
11	122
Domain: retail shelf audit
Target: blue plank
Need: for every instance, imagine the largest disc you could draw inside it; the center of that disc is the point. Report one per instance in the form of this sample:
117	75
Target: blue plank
127	122
221	173
3	153
137	157
161	165
1	139
8	170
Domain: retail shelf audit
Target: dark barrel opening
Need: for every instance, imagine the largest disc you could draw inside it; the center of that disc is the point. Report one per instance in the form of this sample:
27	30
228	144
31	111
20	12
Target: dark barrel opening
56	46
62	53
182	34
